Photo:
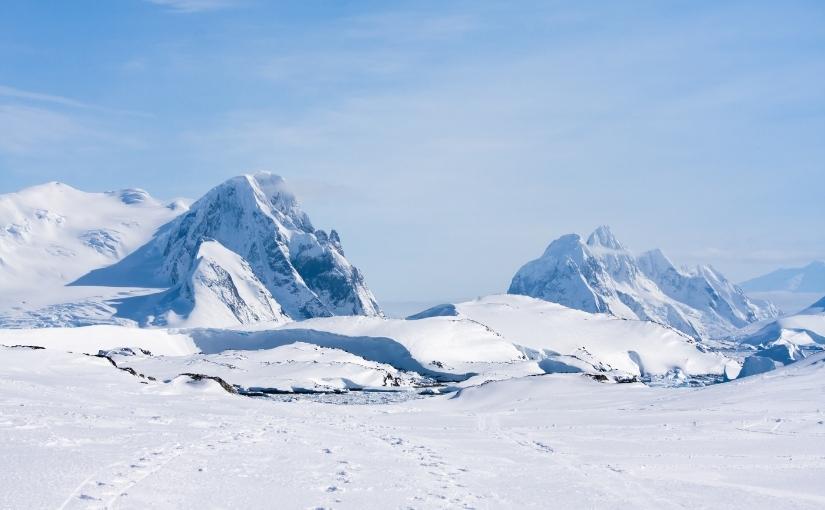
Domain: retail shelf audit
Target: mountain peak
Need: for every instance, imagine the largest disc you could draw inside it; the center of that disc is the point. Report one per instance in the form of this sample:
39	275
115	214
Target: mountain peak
265	192
259	219
602	276
603	237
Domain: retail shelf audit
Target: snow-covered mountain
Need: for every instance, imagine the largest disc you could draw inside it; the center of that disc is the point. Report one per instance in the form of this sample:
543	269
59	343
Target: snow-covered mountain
52	234
279	251
792	289
601	275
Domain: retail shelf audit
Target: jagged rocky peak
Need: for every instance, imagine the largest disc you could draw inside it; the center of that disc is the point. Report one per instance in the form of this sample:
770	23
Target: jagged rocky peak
601	275
567	273
258	218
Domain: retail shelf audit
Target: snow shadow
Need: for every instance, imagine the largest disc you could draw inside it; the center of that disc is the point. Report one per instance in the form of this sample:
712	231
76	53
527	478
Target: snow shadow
378	349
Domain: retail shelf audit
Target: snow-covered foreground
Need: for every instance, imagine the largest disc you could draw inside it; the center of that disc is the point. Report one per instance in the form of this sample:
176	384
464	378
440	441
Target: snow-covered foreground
76	432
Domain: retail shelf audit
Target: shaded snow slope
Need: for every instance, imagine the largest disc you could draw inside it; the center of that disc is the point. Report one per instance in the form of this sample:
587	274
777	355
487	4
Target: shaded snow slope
297	367
258	218
220	290
601	275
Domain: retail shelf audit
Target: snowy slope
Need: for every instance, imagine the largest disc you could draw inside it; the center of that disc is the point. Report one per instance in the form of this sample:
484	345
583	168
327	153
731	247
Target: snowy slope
78	433
91	339
482	336
806	328
548	329
495	337
256	217
52	234
601	275
220	290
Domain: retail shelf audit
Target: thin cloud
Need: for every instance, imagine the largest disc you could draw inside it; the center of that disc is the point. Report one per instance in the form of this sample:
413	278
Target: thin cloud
27	130
30	96
14	93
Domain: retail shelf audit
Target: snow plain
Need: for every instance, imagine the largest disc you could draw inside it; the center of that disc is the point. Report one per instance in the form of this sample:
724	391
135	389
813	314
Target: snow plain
78	433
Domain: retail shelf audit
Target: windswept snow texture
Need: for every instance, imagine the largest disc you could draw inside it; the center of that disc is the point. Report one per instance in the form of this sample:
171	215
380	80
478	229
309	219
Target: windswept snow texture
256	217
601	275
79	433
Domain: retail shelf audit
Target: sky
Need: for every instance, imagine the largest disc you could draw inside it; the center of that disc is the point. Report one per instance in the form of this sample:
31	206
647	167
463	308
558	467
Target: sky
447	142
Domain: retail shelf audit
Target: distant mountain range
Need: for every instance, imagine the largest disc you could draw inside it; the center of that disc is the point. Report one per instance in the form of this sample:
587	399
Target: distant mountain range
247	253
601	275
810	278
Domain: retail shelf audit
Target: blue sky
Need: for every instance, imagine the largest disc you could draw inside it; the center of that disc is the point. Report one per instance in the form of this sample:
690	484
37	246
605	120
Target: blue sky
448	142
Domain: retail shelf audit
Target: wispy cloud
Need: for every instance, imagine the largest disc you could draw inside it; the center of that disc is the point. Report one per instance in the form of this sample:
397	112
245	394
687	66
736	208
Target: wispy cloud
27	130
14	93
30	96
38	123
193	6
24	128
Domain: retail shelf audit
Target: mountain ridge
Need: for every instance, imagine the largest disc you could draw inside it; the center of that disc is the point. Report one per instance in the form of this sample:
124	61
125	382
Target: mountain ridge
601	276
